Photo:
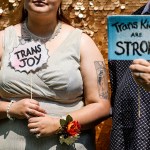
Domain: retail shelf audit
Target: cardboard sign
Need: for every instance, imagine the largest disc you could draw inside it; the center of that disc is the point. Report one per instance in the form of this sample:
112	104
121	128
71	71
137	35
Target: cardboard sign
28	57
128	37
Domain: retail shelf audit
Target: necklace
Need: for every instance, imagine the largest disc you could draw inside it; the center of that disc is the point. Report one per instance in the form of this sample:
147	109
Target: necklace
28	35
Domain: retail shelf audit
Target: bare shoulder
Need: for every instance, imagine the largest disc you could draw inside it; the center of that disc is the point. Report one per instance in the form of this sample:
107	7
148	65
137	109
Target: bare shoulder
86	38
89	47
67	29
87	41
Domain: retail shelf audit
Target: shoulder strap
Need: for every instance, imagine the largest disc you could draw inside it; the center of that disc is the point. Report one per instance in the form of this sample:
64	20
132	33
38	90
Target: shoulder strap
73	40
10	38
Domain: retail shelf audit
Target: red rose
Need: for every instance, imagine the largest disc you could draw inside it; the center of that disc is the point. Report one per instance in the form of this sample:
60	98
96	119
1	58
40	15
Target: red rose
73	128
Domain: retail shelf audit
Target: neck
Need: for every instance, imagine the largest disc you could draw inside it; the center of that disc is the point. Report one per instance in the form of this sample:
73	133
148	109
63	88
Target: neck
41	27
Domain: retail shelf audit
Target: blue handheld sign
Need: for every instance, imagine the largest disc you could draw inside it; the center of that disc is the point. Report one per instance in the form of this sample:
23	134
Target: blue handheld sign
128	37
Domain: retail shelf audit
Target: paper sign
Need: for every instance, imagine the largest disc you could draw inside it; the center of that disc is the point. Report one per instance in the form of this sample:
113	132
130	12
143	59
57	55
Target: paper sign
128	37
29	56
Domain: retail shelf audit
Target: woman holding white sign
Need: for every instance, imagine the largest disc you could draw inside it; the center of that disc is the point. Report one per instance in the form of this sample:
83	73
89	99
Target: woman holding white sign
53	85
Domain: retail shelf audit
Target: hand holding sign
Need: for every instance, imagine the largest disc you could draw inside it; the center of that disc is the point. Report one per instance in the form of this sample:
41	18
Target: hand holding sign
141	72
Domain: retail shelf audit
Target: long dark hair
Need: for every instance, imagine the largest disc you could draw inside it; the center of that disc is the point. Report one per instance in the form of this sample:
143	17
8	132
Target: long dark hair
60	15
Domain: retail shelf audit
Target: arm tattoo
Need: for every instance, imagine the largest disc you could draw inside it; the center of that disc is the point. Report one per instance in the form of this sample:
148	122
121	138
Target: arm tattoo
101	79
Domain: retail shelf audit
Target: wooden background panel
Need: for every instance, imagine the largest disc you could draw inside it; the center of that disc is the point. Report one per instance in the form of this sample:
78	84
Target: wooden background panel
91	17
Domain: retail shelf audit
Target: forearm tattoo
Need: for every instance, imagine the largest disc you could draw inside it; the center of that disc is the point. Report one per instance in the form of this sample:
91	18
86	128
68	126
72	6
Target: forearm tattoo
101	79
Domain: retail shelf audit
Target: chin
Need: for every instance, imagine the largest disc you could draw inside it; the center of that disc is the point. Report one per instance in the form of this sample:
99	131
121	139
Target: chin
39	10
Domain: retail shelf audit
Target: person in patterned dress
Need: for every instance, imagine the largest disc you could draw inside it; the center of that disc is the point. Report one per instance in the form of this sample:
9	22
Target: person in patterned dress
130	101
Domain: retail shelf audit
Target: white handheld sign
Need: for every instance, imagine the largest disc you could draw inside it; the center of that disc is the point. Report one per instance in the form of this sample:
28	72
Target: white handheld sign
29	57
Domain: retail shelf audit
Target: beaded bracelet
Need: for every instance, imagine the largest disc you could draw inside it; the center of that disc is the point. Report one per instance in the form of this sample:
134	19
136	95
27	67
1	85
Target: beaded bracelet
7	110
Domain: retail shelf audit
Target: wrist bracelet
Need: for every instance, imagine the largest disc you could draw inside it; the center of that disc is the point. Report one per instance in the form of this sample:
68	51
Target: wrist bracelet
8	108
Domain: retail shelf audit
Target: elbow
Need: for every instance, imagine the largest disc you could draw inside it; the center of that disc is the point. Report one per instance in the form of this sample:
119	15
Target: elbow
105	108
103	111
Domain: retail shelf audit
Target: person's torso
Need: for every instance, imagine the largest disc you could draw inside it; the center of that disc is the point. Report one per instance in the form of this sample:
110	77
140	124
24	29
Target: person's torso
60	80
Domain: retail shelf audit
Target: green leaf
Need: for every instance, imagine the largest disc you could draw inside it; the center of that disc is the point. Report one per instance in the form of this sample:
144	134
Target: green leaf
63	122
68	119
69	140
